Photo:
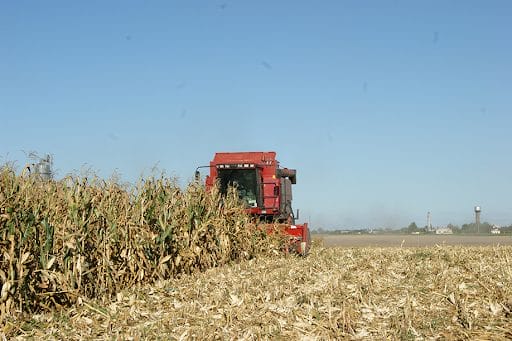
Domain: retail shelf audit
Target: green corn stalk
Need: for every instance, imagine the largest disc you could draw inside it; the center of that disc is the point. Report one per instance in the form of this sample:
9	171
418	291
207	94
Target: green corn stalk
48	244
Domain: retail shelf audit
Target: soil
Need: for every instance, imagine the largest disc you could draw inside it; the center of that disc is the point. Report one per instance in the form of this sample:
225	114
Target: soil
409	240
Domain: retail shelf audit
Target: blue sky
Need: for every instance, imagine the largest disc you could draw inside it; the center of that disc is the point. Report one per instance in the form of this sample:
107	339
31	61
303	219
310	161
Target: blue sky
387	109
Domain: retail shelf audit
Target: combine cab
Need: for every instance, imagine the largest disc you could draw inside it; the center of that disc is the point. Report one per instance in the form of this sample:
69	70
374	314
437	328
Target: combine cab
265	188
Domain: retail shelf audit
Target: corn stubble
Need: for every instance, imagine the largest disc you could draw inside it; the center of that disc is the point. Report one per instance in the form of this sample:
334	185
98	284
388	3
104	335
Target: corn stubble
435	293
62	242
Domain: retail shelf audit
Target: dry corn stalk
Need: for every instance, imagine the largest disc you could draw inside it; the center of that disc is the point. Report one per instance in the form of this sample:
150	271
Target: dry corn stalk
85	237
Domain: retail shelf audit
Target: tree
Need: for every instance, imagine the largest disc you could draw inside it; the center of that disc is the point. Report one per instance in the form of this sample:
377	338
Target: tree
454	228
412	227
484	227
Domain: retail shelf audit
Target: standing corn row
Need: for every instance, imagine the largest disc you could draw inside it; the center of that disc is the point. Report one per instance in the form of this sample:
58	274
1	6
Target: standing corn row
90	238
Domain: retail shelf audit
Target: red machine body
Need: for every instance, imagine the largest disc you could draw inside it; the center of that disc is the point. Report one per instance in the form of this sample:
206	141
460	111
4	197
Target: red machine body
265	187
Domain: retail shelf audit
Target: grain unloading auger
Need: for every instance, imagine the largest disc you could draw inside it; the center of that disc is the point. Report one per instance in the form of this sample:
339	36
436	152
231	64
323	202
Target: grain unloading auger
265	188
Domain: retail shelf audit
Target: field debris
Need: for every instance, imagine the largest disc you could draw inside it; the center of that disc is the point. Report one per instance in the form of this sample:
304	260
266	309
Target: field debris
430	293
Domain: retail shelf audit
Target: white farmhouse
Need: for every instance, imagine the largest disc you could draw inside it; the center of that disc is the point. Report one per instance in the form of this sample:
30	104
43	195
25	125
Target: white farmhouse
496	229
444	230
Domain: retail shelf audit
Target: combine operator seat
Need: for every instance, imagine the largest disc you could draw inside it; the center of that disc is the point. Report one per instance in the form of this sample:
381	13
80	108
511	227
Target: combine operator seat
245	181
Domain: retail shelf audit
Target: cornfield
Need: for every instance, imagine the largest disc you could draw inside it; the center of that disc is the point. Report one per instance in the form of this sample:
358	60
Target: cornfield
84	258
82	238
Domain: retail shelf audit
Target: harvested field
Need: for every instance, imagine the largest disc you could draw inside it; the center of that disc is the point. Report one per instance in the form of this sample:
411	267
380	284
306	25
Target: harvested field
440	292
408	240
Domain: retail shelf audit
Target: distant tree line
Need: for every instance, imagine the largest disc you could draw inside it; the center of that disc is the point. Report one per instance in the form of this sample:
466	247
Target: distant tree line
484	228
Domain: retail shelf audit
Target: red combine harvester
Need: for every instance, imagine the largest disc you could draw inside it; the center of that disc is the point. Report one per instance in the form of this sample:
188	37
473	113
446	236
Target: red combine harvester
265	188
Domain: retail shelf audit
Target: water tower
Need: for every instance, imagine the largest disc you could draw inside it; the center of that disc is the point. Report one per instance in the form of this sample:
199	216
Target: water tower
477	218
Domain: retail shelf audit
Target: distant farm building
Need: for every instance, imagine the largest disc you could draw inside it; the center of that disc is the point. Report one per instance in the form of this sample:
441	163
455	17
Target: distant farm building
444	230
496	229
